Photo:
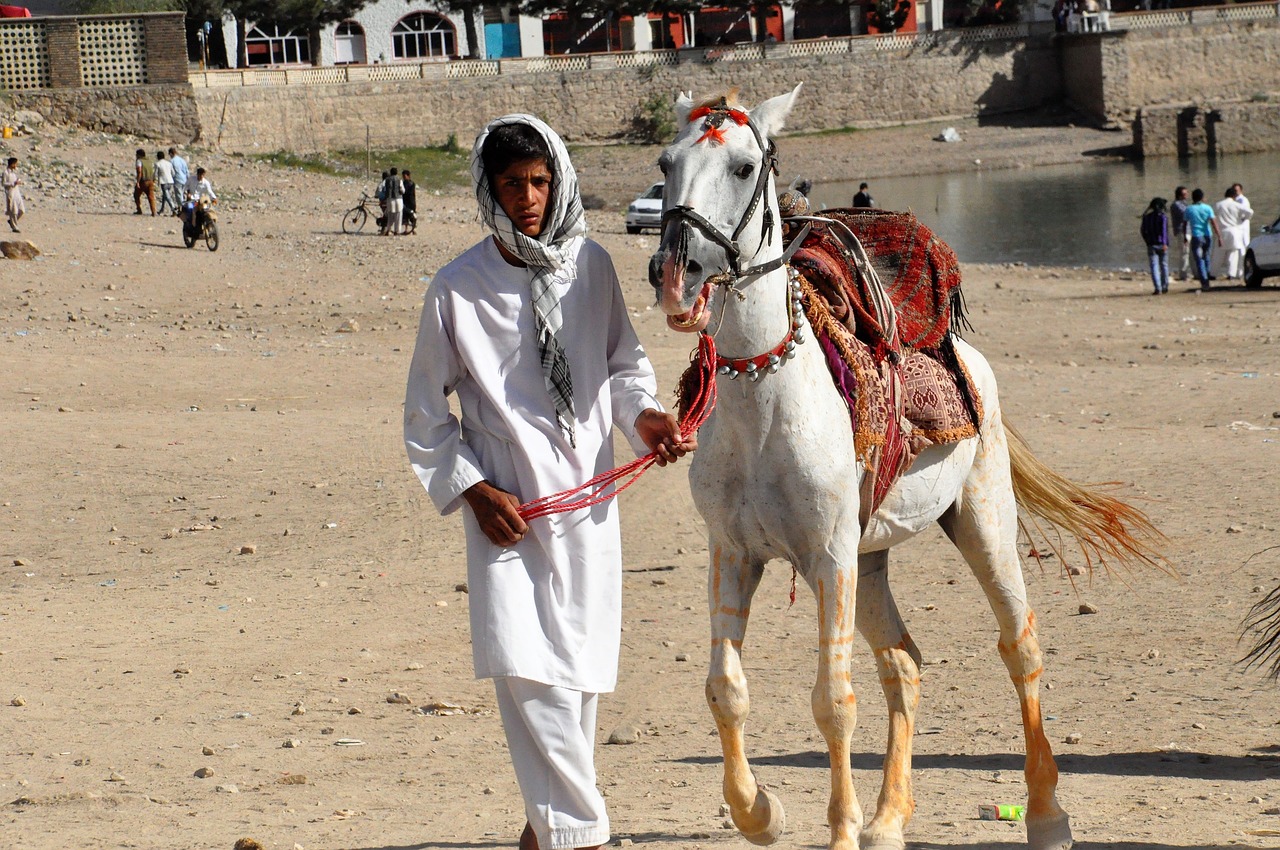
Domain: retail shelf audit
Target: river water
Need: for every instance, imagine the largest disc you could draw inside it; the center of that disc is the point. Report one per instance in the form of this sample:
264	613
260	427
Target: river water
1063	215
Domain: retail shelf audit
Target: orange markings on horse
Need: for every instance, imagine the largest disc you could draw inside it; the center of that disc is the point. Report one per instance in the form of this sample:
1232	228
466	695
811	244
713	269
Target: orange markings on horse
901	646
898	680
1026	633
733	612
1029	678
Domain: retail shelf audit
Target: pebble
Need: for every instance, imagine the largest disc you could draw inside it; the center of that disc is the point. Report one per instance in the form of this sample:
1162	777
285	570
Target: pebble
727	823
1255	799
207	750
249	549
1086	608
247	844
623	842
624	735
17	702
291	744
115	777
227	789
399	699
1073	738
350	326
292	779
724	810
462	588
354	710
204	773
1197	725
683	656
1073	571
1274	810
298	710
414	665
182	670
1234	529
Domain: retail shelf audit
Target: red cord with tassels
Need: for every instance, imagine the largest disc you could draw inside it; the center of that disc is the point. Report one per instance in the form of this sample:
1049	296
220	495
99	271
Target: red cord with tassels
597	489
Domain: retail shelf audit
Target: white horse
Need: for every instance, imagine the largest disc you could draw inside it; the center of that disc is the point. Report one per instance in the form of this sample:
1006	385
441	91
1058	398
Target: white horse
776	477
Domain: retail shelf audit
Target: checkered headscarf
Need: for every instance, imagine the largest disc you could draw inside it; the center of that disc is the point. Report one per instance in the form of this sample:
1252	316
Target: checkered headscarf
551	257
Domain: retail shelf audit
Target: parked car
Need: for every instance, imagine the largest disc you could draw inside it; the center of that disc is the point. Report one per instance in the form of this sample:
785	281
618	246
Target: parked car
646	210
1262	257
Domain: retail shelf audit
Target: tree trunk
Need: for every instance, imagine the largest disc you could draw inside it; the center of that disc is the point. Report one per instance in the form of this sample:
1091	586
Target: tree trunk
242	49
473	40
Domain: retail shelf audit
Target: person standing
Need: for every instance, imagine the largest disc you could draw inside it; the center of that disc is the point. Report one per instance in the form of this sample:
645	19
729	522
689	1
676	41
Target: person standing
394	195
530	330
1203	229
164	176
1155	232
1233	227
410	223
863	199
14	206
181	175
1179	236
143	184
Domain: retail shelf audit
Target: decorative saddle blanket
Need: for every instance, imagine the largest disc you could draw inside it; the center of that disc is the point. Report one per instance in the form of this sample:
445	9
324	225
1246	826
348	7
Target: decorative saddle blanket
905	386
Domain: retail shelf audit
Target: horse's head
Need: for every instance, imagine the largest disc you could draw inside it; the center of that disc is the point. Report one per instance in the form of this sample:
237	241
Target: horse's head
719	211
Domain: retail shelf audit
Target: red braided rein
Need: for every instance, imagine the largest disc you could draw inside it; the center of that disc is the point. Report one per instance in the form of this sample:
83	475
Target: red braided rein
598	490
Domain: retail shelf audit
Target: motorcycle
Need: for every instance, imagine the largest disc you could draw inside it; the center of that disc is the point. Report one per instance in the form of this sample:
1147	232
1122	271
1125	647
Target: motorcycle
199	221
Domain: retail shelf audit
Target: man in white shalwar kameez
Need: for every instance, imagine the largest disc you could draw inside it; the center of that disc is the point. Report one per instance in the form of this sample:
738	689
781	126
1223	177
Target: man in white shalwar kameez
530	330
1233	223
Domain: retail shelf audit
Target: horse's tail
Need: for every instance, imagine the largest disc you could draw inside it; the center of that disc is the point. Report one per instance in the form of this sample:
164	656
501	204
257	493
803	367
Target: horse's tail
1264	620
1106	529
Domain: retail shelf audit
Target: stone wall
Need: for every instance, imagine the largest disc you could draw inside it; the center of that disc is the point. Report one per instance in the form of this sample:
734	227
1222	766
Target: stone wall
858	89
1239	127
166	113
1182	65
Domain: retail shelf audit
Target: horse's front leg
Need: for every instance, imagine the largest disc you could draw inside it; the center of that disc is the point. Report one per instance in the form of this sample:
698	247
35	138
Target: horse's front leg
835	708
898	663
731	583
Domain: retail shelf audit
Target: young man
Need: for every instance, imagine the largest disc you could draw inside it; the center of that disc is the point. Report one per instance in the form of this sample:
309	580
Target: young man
164	176
1233	225
863	199
202	188
393	193
530	330
1203	230
143	184
410	223
181	176
1179	236
14	207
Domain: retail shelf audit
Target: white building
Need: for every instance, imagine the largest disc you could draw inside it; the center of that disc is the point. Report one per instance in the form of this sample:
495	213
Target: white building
384	31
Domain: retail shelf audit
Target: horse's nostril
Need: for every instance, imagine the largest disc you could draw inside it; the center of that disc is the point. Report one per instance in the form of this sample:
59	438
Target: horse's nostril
693	267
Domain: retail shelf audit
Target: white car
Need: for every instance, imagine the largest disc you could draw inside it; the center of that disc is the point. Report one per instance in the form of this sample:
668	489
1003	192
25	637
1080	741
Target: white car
1262	257
646	210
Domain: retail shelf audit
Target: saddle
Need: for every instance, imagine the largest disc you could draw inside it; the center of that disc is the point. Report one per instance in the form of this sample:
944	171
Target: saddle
896	367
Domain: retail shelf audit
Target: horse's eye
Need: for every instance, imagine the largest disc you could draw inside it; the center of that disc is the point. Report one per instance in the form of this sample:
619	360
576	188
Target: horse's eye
662	166
745	171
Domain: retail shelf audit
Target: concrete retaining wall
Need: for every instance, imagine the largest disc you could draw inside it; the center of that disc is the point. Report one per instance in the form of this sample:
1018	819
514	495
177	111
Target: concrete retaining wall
1179	130
864	88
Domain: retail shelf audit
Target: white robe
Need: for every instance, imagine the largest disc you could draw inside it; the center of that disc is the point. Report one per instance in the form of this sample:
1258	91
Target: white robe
549	608
1233	223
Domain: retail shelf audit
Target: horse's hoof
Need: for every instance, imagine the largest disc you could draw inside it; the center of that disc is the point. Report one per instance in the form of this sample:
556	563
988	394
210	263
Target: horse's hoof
767	808
1050	833
870	840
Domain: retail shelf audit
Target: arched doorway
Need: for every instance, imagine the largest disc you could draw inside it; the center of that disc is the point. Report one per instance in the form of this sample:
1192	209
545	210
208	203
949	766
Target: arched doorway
348	44
423	35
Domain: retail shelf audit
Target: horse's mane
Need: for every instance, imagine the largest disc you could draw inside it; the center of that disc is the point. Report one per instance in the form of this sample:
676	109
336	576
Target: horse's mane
729	97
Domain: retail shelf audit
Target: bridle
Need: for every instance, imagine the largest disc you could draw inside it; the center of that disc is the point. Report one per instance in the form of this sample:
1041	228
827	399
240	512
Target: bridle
715	117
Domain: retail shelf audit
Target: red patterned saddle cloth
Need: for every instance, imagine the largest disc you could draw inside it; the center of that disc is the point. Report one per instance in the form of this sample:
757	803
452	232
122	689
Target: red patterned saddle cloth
906	390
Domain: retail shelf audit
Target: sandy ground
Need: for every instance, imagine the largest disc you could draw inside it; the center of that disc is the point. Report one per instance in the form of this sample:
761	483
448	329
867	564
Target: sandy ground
215	556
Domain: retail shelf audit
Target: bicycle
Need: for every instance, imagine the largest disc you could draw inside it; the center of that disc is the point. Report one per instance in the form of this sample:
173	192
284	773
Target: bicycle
354	219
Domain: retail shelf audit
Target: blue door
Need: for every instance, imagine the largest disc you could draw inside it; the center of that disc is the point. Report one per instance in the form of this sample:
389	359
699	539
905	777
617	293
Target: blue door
501	41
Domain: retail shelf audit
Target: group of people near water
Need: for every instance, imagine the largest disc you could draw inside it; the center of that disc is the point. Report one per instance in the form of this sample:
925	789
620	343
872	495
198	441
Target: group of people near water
171	175
1193	229
397	194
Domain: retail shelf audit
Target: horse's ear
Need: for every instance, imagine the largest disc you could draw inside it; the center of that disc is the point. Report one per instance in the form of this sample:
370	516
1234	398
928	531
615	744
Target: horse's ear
684	105
771	115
